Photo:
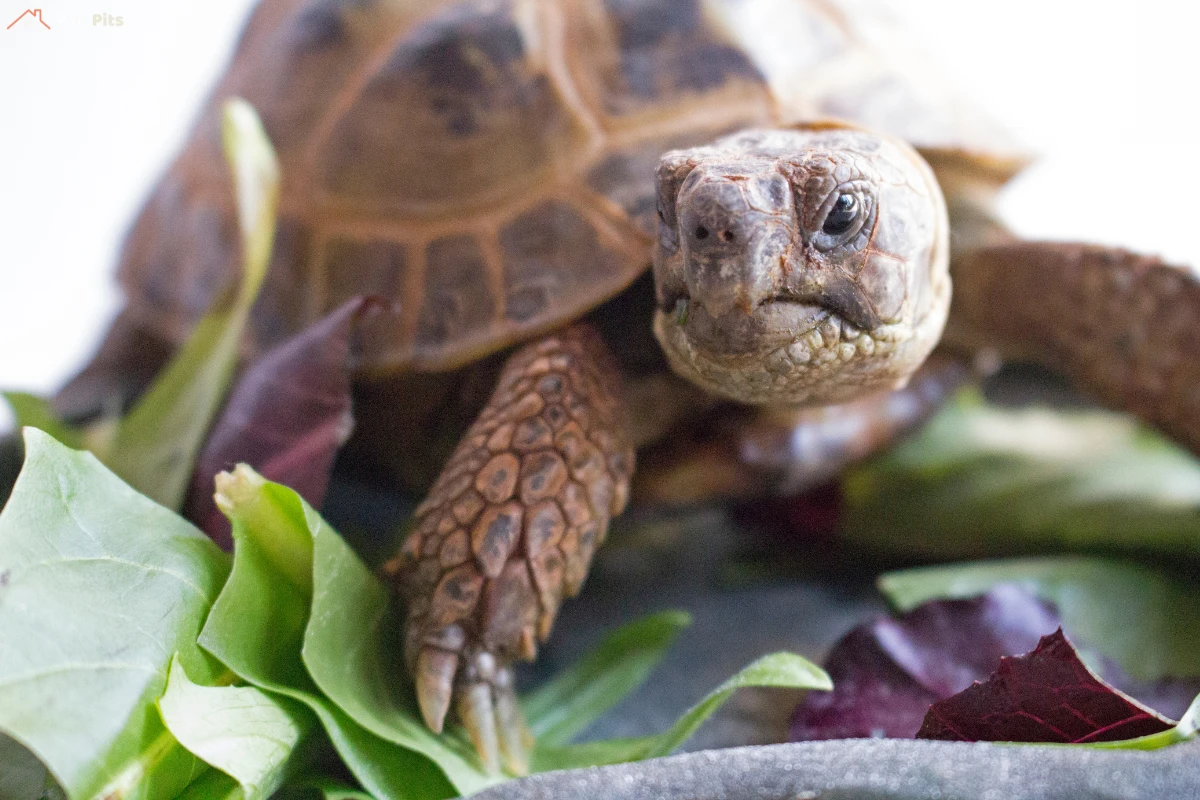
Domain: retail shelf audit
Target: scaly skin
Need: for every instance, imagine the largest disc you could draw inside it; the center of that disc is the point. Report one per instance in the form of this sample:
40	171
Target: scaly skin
509	530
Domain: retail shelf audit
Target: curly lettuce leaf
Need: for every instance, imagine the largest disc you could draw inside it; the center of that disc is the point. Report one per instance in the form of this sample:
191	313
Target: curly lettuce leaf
245	732
258	627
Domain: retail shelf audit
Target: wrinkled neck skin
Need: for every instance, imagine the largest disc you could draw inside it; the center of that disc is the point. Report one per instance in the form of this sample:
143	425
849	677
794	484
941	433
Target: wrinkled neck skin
800	267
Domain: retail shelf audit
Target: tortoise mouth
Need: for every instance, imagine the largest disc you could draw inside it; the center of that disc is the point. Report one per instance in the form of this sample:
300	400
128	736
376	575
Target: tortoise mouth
775	322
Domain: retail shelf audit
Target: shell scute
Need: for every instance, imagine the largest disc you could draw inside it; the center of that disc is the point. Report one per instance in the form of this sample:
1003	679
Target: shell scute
668	50
365	266
460	112
459	302
551	253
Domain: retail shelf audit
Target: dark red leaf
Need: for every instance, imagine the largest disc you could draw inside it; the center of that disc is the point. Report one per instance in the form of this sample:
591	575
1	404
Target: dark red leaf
1045	696
287	416
887	672
1169	696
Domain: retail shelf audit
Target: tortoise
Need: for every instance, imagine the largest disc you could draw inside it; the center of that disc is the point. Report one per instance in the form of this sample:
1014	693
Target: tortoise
509	170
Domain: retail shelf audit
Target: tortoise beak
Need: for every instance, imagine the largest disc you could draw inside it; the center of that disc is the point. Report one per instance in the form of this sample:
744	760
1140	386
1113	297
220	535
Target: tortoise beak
776	321
734	261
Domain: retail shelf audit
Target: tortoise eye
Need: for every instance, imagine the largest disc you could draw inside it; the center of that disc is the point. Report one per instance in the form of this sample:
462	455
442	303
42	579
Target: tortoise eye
842	216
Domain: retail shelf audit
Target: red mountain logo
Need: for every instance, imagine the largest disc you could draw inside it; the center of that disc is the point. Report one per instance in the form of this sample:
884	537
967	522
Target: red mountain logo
32	13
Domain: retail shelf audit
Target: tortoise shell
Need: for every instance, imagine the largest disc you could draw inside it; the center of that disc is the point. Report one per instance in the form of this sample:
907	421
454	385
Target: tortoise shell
489	164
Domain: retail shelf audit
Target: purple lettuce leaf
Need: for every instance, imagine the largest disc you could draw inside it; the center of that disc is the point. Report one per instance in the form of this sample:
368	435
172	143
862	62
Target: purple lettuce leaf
287	416
887	672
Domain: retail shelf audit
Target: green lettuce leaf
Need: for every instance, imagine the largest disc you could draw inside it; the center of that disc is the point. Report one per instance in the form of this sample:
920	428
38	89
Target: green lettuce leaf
355	666
352	667
154	448
1145	620
32	411
330	790
580	694
212	785
245	732
983	481
778	670
99	586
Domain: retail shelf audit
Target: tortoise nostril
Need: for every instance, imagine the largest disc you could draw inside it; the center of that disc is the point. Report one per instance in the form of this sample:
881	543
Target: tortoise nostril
725	236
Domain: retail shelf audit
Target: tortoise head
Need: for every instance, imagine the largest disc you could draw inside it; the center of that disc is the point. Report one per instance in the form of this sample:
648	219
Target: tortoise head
804	266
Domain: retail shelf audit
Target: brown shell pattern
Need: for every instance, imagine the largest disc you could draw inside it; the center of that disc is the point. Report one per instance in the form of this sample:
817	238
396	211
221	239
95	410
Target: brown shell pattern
489	165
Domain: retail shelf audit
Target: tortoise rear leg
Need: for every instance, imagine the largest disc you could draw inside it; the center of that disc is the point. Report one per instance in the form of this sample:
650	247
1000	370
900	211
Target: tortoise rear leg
508	530
1124	327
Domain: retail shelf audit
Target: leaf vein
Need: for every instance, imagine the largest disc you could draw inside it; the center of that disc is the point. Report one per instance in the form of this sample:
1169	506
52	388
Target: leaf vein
114	665
125	562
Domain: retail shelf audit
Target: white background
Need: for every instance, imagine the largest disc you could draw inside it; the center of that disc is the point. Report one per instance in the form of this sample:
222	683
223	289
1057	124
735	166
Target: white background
1106	91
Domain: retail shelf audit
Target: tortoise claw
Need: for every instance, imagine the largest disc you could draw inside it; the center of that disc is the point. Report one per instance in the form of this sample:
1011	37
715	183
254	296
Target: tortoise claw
447	668
516	740
478	715
435	684
488	709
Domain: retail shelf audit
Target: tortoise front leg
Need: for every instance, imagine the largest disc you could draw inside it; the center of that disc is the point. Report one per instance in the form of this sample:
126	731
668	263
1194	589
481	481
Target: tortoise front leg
508	530
1125	327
